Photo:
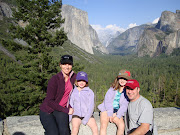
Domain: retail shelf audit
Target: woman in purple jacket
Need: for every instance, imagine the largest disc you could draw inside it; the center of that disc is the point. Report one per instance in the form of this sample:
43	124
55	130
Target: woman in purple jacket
55	108
115	104
82	101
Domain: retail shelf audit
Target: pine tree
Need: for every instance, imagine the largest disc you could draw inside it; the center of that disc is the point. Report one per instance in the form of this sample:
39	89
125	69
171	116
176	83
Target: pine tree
38	23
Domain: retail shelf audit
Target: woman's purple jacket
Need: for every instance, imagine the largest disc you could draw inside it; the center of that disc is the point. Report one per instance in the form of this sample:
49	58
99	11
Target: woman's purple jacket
83	103
55	92
107	104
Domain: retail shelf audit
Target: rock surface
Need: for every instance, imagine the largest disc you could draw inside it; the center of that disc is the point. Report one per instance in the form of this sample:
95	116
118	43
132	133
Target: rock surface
167	121
5	10
127	40
162	38
79	31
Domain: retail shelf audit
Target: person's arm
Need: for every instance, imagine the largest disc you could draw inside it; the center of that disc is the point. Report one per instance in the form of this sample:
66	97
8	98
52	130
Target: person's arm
71	103
141	130
51	94
123	106
108	102
90	109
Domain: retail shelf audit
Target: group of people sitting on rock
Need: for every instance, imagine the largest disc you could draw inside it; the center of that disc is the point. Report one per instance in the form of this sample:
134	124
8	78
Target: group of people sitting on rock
69	99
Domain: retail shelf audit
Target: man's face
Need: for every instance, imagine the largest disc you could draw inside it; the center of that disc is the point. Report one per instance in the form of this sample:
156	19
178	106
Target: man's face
133	94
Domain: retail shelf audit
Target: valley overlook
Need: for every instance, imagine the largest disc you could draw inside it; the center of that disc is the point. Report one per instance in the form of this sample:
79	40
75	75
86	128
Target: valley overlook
150	52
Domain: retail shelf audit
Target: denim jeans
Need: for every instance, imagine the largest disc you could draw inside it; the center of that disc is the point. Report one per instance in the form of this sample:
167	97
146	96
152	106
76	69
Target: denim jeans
56	123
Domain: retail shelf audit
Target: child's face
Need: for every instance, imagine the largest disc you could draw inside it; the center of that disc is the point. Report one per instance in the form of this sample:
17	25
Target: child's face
122	81
81	83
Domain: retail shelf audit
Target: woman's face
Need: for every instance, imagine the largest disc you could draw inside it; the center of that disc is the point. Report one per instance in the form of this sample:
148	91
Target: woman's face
66	68
122	81
81	84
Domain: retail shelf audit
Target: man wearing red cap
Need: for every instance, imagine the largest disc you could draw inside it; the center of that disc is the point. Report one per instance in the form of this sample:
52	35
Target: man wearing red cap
140	111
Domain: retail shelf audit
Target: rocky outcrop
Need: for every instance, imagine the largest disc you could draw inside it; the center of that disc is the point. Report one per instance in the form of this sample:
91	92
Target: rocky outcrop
77	27
149	42
169	21
126	41
5	10
79	31
163	38
97	45
166	119
173	41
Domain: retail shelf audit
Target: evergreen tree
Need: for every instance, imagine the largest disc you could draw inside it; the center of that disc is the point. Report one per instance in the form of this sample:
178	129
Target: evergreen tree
37	22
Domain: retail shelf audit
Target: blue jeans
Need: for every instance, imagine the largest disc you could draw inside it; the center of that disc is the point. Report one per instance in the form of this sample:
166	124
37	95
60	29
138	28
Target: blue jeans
56	123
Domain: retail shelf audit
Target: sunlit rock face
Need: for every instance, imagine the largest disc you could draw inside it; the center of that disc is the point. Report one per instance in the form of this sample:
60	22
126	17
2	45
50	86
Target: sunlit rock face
163	38
78	29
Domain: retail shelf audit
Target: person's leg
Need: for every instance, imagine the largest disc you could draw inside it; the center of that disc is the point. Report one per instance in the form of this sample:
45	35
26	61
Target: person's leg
120	125
49	123
76	122
92	124
104	120
62	120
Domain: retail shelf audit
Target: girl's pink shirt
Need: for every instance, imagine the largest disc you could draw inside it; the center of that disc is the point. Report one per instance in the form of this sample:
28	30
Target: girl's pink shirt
65	98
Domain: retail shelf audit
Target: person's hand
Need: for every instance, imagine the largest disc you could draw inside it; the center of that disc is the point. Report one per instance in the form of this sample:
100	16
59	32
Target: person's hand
114	114
71	110
110	119
115	119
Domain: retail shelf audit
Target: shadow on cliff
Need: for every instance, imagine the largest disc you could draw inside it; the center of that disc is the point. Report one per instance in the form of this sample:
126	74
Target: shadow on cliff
19	133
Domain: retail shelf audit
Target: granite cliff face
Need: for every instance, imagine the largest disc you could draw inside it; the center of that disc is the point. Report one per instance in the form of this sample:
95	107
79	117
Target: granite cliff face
162	38
79	31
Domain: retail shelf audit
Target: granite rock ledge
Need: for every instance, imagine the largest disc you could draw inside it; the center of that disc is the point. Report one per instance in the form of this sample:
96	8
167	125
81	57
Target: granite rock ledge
167	121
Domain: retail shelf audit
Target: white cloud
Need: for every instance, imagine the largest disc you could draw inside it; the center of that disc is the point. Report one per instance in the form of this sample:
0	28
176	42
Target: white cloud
111	27
131	25
155	21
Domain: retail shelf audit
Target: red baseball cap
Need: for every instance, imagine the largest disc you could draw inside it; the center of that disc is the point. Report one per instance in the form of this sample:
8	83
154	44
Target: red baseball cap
132	84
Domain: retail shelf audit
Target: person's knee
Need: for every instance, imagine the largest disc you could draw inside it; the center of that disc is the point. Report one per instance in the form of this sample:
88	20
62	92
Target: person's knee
120	126
75	130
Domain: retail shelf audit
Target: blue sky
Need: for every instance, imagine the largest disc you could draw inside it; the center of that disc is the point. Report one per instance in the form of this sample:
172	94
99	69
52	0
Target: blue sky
123	14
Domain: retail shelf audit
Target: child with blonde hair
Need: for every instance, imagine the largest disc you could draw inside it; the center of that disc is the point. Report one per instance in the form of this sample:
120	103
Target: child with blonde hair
82	101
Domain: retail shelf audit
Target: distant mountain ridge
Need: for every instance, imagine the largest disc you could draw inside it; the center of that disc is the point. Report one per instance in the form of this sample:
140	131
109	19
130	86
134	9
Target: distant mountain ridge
126	41
151	40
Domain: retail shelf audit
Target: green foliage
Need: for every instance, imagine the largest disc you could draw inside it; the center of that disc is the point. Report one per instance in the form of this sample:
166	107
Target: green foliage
158	77
176	52
23	82
23	85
